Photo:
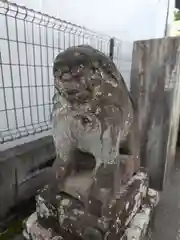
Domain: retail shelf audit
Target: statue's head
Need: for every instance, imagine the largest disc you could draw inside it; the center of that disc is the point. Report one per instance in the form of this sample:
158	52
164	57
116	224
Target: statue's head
90	83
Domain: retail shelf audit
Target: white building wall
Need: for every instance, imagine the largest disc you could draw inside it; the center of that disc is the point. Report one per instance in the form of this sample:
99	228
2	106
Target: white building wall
130	19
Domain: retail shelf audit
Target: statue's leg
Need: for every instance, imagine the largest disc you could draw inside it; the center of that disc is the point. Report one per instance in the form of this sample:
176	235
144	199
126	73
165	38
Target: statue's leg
65	145
131	145
106	156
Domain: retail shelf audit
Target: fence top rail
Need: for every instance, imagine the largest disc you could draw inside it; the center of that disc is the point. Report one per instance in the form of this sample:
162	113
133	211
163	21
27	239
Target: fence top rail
23	13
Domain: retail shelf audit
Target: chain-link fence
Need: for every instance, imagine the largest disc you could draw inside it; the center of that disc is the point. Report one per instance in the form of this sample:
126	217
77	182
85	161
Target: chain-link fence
29	42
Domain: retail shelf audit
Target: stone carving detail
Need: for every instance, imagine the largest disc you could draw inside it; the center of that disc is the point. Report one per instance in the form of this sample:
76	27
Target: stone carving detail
93	110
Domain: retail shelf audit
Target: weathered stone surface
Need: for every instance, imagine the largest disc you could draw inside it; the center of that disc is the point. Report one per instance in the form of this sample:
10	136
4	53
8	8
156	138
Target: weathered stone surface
60	214
99	187
155	87
93	109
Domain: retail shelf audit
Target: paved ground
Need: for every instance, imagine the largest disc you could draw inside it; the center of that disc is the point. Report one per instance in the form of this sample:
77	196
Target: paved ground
167	221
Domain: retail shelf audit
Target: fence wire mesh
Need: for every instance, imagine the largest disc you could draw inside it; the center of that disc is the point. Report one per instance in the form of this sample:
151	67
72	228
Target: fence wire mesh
29	42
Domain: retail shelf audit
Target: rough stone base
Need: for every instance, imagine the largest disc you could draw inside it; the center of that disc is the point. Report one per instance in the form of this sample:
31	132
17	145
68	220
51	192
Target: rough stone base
136	228
139	225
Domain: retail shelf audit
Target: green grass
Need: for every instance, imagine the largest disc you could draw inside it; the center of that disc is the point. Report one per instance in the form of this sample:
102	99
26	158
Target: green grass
15	229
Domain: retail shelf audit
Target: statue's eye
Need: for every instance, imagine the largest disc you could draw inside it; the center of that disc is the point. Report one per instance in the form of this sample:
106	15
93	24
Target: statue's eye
85	120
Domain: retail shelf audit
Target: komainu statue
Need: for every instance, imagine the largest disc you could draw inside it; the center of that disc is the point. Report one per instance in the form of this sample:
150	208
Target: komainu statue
99	185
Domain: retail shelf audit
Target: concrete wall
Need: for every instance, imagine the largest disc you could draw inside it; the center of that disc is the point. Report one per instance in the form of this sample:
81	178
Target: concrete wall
23	170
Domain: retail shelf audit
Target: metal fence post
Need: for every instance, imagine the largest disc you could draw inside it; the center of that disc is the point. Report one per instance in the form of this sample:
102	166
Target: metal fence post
111	48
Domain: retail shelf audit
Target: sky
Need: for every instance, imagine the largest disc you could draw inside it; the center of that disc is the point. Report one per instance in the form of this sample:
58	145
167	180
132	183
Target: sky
129	19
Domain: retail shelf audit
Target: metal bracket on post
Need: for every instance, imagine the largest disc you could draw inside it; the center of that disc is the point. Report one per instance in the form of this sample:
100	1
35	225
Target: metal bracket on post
111	48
